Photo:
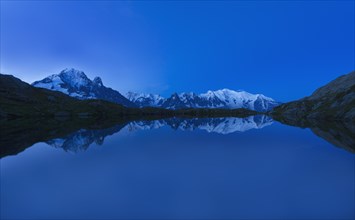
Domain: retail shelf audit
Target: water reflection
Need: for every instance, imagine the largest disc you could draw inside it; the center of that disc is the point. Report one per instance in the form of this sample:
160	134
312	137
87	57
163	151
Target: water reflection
78	135
338	133
216	125
17	135
83	138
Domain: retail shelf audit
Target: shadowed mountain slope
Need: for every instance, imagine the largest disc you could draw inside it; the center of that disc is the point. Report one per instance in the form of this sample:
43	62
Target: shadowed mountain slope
334	101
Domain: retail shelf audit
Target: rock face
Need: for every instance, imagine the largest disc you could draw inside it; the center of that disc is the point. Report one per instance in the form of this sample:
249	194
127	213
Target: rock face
224	99
336	100
76	84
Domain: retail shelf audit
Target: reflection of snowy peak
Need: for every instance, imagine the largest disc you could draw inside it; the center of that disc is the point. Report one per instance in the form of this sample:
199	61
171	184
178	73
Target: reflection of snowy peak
145	125
231	125
83	138
224	98
216	125
76	84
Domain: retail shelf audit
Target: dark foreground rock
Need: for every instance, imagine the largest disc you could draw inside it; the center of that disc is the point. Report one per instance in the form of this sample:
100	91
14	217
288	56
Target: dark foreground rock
334	101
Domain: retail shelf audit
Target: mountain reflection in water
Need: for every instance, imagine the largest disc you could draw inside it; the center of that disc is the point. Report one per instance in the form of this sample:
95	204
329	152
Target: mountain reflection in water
216	125
83	138
78	135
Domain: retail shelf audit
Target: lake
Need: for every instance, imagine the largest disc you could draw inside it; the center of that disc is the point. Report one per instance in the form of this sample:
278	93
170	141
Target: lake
207	168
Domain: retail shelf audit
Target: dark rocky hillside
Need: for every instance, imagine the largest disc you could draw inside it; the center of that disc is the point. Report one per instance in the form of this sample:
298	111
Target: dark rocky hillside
334	101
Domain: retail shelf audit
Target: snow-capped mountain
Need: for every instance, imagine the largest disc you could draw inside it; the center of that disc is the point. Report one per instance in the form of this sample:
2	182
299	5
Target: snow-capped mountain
76	84
224	98
145	100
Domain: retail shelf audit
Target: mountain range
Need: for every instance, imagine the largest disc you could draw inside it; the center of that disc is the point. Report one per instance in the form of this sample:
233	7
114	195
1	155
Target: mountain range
72	93
18	99
223	98
76	84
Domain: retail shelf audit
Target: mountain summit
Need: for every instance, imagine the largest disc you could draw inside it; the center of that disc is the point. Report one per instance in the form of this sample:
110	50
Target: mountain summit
224	98
76	84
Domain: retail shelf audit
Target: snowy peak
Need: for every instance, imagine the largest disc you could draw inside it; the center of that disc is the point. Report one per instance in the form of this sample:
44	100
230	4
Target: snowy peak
229	96
76	84
145	100
226	98
74	77
177	101
97	81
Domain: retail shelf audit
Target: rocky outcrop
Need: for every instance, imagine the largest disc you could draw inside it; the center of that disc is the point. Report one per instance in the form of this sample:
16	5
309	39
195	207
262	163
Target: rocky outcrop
334	101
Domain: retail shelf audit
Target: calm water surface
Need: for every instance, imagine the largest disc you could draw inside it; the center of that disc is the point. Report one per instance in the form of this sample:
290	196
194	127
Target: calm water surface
201	168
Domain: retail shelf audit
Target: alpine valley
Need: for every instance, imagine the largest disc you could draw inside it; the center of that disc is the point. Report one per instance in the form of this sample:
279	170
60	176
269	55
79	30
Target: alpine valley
76	84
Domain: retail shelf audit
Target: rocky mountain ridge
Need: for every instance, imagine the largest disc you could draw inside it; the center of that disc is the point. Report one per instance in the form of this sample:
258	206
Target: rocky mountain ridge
223	98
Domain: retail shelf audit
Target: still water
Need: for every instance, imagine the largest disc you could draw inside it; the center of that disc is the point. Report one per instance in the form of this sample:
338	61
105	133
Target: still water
220	168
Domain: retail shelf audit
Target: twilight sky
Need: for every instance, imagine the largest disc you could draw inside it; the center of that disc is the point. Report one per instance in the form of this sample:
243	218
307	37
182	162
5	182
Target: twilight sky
284	50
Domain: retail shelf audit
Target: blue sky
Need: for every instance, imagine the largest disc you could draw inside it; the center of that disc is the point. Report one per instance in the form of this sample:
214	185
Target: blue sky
284	50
